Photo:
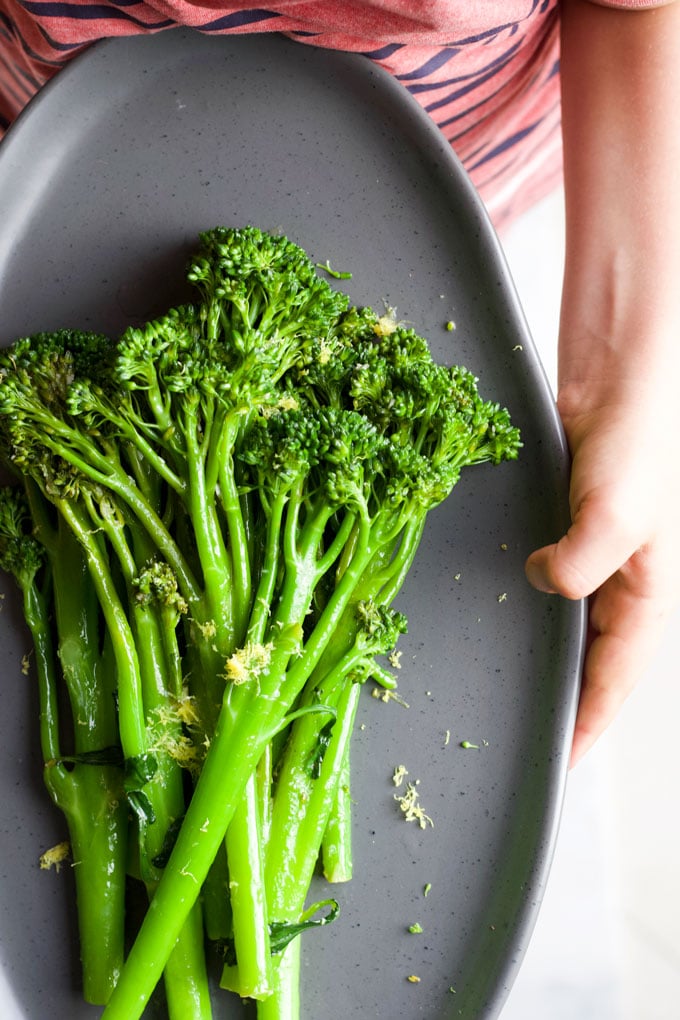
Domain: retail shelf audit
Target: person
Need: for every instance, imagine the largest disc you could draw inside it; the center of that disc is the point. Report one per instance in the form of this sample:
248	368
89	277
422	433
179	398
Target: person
527	92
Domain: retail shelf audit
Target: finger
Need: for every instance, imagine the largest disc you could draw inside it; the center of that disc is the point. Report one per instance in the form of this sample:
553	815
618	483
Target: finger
627	617
598	542
608	679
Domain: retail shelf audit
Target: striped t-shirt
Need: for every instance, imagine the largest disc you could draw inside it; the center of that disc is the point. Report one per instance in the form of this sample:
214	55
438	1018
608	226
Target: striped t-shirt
485	70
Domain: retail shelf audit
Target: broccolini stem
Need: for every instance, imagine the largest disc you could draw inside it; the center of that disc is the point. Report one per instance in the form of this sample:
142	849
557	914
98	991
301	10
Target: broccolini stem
151	664
217	434
90	796
130	704
283	683
150	456
212	554
332	612
284	1004
304	799
387	582
255	838
238	546
234	751
339	543
36	615
149	519
311	535
98	835
173	679
347	553
291	857
259	617
252	976
90	685
264	773
160	408
291	529
336	846
185	976
98	823
217	917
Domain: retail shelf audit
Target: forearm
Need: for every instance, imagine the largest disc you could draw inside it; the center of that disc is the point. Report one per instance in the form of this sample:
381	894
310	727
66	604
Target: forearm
618	344
620	317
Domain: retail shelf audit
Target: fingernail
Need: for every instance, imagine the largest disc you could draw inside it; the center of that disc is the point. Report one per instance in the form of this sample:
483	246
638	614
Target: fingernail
537	579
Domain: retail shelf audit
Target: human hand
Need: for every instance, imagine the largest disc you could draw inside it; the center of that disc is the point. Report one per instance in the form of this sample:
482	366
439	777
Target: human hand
623	547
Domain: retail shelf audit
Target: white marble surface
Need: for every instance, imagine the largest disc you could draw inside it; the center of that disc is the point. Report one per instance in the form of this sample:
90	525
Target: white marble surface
607	941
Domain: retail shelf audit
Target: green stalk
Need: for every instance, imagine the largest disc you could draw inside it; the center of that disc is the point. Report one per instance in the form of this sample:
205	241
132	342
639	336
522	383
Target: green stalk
285	1003
252	976
262	603
234	752
135	744
240	870
336	846
264	775
244	728
384	584
155	463
90	796
97	815
185	974
238	546
150	456
217	916
97	823
303	802
240	739
205	667
333	610
215	609
210	645
302	576
295	840
36	615
130	703
108	473
343	539
212	554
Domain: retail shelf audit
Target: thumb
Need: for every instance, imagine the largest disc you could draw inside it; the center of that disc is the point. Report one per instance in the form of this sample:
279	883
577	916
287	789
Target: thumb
596	545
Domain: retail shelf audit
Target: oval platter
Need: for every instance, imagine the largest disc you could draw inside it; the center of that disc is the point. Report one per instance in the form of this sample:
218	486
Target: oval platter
105	181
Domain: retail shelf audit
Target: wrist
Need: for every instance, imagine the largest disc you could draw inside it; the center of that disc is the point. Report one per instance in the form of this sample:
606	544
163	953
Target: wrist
619	339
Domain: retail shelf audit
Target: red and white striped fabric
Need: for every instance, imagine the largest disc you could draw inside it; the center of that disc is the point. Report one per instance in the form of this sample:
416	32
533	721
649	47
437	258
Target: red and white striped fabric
485	70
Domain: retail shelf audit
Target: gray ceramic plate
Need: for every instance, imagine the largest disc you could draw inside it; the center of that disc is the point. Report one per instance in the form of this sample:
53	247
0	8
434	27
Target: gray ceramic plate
104	183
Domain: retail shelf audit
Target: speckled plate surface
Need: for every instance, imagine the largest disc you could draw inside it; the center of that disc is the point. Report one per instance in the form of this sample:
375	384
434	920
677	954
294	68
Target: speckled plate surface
104	183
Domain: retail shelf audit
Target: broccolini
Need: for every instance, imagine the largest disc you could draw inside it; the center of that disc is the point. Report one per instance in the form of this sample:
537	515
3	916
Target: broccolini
241	486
